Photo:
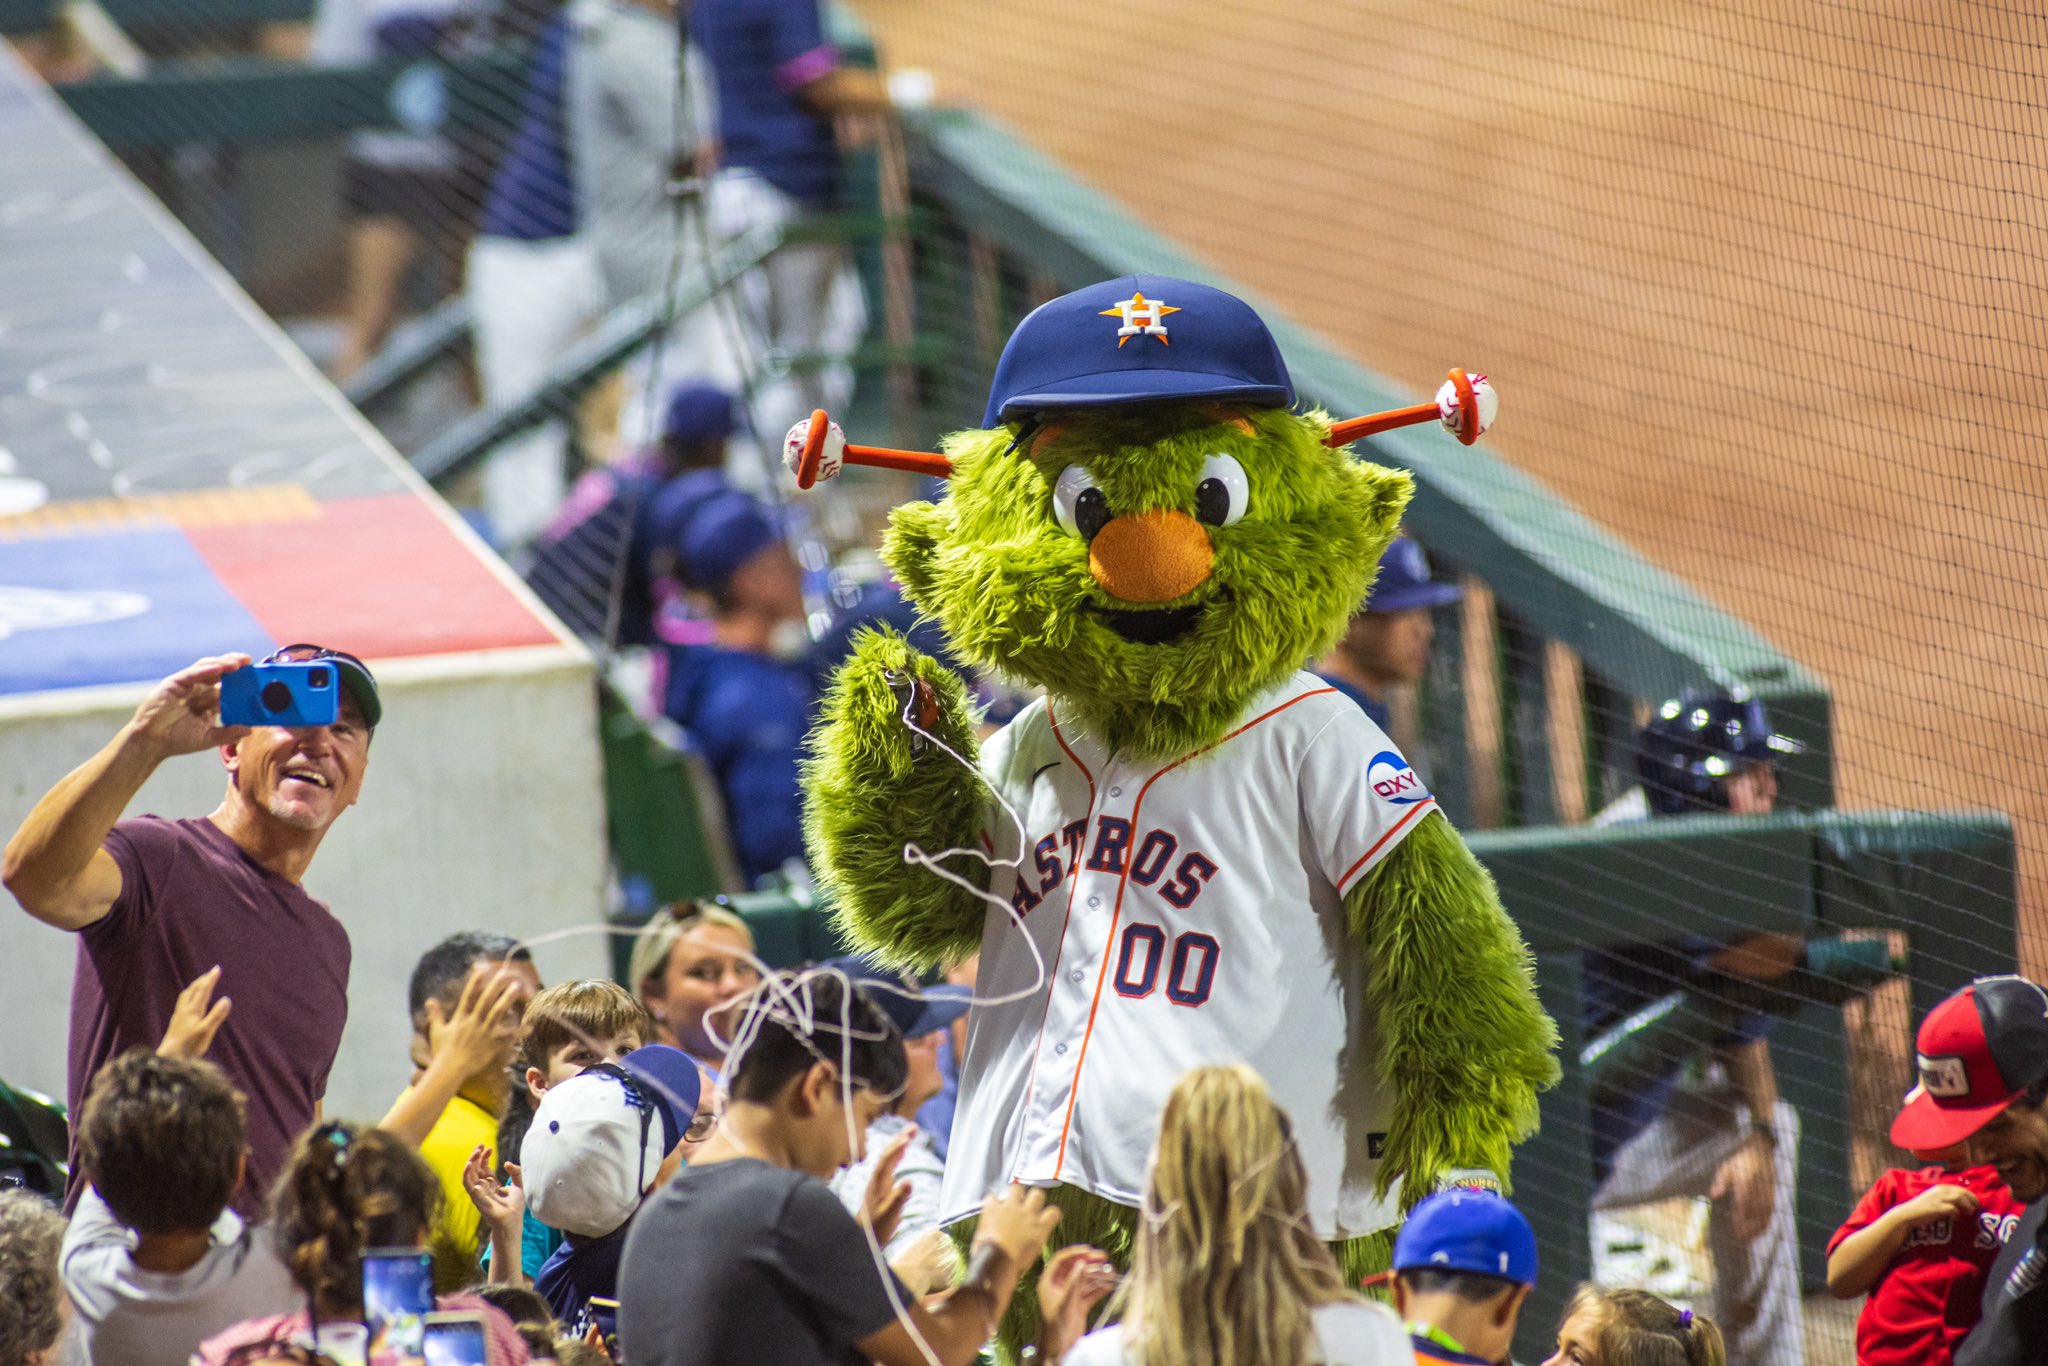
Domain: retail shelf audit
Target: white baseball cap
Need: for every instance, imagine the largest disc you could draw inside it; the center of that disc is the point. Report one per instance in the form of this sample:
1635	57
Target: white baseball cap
599	1137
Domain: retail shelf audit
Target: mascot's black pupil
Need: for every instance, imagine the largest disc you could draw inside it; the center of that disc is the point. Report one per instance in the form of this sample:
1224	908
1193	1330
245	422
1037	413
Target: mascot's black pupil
1212	502
1091	513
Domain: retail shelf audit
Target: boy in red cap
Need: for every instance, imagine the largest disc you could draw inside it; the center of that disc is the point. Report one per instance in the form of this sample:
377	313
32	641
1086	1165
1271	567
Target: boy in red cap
1922	1242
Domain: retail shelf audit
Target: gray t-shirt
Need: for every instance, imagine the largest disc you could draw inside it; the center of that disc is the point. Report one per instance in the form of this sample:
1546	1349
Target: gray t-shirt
742	1262
125	1316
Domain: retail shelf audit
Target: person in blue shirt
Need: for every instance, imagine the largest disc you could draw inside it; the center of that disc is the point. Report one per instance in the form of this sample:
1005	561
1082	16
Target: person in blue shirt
1387	644
743	697
632	509
781	89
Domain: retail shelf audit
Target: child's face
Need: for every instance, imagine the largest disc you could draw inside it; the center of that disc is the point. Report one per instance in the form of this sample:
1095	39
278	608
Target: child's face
1575	1339
573	1057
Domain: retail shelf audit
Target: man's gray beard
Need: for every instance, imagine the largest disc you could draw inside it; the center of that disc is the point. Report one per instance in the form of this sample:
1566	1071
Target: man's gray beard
281	812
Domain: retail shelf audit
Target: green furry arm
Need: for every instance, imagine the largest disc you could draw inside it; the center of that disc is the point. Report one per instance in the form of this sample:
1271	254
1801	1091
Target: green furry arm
1463	1045
866	796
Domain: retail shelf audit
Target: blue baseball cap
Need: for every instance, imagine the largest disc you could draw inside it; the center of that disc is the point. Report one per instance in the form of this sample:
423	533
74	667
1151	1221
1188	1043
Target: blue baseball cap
709	526
1137	339
917	1011
1404	583
697	412
1475	1232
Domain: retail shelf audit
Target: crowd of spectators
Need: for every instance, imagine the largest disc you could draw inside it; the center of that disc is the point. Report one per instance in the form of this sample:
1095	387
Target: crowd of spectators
718	1163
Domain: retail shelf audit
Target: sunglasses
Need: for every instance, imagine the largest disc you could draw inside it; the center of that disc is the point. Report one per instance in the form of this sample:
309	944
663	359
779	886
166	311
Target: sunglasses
304	653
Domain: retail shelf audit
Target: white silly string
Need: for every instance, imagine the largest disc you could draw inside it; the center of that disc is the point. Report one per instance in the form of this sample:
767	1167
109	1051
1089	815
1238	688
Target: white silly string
786	997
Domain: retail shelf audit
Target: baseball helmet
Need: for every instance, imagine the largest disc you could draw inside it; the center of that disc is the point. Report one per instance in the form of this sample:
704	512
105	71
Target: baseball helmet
1694	742
1137	339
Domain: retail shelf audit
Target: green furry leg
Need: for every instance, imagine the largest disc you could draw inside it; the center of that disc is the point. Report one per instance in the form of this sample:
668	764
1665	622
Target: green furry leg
1084	1218
1088	1218
1362	1257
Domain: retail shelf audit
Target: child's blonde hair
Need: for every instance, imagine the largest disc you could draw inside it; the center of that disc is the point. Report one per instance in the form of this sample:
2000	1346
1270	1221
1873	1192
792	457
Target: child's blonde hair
1635	1328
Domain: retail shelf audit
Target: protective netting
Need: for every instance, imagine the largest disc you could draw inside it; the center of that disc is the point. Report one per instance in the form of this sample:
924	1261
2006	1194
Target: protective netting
1756	284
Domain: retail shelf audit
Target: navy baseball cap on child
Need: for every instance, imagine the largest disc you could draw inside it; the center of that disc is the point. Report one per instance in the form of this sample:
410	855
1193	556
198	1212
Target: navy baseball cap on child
916	1011
1138	339
599	1138
1475	1232
1404	583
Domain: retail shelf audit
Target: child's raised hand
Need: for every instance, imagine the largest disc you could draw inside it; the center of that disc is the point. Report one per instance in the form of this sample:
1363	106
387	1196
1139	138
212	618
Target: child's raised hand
1938	1202
503	1207
196	1018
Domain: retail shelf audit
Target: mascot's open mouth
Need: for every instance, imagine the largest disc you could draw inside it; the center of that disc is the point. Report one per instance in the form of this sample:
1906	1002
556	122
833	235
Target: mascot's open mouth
1157	625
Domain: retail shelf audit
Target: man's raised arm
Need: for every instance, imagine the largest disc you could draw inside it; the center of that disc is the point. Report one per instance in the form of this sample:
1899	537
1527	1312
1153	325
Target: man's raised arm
57	865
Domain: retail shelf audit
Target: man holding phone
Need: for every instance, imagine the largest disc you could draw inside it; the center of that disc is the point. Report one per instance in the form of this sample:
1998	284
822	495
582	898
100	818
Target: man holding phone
155	903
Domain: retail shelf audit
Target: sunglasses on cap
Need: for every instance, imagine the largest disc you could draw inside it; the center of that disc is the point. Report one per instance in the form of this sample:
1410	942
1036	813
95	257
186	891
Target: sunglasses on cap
303	653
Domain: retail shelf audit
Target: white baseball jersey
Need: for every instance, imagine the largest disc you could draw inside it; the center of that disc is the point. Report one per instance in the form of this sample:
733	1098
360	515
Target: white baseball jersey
1187	912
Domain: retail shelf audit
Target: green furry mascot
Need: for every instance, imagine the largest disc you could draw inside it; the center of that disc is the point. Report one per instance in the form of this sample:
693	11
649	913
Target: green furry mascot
1190	851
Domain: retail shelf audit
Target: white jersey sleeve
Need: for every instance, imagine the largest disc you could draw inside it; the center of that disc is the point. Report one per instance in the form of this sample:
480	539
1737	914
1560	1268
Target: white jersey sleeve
1359	797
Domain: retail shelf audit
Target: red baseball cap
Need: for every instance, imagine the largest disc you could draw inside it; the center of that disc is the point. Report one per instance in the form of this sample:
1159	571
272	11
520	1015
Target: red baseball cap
1976	1051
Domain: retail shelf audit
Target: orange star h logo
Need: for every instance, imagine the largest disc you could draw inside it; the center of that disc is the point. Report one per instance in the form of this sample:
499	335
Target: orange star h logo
1142	317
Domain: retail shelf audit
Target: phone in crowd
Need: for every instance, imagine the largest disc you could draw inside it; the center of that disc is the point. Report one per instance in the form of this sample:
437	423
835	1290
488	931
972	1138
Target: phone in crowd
605	1314
456	1339
398	1295
286	694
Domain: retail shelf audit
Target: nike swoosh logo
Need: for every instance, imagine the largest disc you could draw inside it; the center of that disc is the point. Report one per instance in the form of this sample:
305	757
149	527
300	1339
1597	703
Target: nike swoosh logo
1042	769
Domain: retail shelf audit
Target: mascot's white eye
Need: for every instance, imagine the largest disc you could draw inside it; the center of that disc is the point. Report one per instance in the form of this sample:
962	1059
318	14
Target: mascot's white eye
1221	497
1078	504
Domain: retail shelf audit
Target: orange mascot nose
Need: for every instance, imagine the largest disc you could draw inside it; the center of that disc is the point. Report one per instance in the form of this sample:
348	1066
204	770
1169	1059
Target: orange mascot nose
1151	556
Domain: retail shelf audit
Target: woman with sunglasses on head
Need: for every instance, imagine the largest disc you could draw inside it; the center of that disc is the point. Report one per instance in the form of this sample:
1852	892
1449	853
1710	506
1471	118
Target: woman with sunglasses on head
156	903
691	964
345	1192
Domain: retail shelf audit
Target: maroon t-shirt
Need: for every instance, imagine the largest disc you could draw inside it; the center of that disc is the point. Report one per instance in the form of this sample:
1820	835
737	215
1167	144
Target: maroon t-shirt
190	898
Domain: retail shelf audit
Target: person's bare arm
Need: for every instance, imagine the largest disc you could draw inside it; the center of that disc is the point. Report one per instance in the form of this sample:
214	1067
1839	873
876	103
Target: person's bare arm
845	90
462	1046
1013	1229
1859	1260
57	865
1747	1177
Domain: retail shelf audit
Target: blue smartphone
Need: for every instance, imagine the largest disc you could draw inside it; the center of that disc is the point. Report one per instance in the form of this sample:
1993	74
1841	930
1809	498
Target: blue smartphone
287	694
456	1339
398	1294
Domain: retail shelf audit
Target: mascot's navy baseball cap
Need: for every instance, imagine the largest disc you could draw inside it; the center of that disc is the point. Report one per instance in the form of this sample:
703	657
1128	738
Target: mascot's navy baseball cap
1138	339
1976	1051
1475	1232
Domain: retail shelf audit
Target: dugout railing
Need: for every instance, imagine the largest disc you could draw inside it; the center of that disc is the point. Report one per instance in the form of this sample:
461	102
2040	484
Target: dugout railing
1539	678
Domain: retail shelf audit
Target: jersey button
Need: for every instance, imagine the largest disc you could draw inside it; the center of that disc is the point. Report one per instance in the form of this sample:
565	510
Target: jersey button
1076	975
1059	1048
1116	792
1095	903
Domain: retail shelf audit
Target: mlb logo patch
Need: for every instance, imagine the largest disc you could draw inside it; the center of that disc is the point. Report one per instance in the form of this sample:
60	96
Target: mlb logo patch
1944	1078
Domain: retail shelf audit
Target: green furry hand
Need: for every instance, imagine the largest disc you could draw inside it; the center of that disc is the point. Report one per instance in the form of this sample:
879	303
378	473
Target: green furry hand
877	782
